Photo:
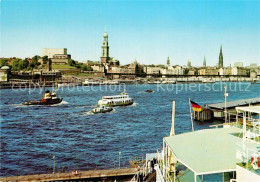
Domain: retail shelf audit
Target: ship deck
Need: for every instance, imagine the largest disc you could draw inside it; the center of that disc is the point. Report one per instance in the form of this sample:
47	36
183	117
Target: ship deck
209	151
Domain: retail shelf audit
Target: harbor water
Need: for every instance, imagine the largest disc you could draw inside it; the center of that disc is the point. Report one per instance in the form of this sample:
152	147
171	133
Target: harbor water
32	135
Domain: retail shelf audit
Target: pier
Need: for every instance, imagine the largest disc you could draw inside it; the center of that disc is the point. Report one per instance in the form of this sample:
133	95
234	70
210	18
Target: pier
93	175
219	108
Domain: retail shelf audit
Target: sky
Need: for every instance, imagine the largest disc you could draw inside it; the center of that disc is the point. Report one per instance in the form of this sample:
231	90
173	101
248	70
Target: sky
147	30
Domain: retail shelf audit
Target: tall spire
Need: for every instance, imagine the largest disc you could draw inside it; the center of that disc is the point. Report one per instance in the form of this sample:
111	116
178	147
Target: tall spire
204	62
168	61
105	49
220	62
189	63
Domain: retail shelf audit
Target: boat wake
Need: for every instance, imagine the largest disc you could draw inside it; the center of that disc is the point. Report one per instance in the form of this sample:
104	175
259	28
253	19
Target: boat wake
85	106
87	113
134	104
18	105
62	103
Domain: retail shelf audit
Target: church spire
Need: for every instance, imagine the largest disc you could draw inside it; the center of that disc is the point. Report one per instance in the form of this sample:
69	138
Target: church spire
220	62
168	61
204	62
189	63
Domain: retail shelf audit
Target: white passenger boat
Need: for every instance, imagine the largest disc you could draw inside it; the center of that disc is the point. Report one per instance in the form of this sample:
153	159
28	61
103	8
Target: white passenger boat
101	109
116	100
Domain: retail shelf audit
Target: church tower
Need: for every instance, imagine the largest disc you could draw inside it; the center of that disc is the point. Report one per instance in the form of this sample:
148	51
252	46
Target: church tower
189	64
220	62
168	61
104	49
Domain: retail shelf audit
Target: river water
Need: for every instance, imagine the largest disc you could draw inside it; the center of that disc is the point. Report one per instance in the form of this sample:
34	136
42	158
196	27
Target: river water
32	135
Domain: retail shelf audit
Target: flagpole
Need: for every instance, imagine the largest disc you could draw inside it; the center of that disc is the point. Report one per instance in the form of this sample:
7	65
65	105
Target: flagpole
191	119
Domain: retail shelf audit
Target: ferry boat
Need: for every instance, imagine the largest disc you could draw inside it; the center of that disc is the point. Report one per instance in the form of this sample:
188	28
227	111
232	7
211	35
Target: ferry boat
117	100
49	98
101	109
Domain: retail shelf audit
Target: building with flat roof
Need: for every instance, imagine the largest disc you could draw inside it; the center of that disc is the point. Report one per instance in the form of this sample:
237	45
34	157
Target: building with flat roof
50	52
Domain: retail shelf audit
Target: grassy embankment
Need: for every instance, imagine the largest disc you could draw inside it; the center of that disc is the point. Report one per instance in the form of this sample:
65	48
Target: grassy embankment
62	66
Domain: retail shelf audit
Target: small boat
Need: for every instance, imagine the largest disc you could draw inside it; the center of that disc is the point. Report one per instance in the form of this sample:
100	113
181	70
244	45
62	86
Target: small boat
116	100
101	109
149	91
208	81
69	84
49	98
90	83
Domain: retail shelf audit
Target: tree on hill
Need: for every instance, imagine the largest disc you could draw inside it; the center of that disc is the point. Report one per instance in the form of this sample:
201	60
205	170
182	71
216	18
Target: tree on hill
3	62
23	64
86	68
44	59
36	58
71	62
15	64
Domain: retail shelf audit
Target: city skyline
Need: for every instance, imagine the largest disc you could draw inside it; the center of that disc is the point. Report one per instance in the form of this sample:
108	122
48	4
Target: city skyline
148	31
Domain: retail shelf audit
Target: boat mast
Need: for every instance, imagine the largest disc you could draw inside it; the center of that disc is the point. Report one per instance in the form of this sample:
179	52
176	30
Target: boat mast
56	85
43	88
226	95
173	119
191	118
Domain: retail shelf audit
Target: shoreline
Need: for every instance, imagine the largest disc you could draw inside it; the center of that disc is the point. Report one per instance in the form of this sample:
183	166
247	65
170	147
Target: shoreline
10	85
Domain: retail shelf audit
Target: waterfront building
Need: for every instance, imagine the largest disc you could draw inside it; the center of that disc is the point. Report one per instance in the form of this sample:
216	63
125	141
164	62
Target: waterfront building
4	74
152	70
220	63
253	74
98	68
208	71
225	71
192	71
239	71
238	64
173	70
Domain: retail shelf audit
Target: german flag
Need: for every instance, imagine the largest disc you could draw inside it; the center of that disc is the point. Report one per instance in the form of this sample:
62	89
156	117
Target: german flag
195	106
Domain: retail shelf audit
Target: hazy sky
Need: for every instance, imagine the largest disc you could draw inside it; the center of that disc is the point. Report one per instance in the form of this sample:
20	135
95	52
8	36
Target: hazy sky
146	30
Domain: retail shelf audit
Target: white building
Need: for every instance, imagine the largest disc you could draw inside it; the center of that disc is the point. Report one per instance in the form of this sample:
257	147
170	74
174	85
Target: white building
50	52
4	73
152	70
173	70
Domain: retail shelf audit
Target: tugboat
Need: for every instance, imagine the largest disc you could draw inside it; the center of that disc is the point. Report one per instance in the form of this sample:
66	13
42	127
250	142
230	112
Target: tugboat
116	100
49	98
101	109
